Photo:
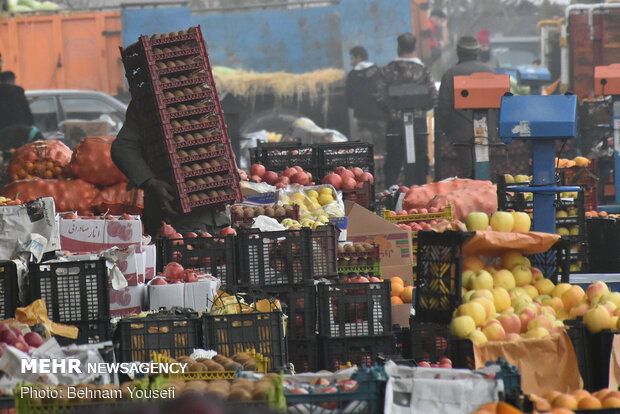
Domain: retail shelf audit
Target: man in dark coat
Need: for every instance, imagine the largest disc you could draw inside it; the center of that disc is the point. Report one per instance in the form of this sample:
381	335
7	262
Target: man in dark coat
16	119
369	123
128	153
406	69
455	126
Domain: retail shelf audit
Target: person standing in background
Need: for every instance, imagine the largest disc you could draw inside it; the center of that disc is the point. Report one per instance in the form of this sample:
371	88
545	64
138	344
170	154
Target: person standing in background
368	119
437	24
484	39
405	69
455	127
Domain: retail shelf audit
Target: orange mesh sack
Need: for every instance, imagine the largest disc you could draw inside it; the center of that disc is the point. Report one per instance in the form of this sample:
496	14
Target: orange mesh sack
43	159
116	199
92	162
69	195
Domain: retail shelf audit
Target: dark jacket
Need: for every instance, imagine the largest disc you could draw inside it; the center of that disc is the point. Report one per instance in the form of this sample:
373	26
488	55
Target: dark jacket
129	151
14	107
457	124
359	89
402	71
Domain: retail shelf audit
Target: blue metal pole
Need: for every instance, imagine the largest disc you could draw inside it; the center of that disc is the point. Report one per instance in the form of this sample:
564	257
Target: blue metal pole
543	166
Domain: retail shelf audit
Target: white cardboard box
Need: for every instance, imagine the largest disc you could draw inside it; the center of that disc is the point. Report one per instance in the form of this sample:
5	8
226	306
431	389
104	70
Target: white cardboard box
198	295
91	235
128	300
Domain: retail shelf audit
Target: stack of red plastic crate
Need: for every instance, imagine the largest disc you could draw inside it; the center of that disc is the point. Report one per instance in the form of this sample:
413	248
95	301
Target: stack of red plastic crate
170	78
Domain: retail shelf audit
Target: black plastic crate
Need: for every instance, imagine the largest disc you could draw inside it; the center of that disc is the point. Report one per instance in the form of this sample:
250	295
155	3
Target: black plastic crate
355	309
167	333
216	256
275	257
263	332
346	154
604	245
91	332
325	251
432	341
600	349
303	354
7	405
580	338
300	305
554	263
281	155
335	353
9	290
73	291
438	280
517	202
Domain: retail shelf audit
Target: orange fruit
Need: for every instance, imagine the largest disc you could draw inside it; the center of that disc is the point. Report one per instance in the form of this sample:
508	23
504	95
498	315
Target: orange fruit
565	401
542	405
396	300
611	402
602	214
589	403
581	161
398	280
602	393
397	289
580	394
407	294
614	394
505	408
551	395
488	408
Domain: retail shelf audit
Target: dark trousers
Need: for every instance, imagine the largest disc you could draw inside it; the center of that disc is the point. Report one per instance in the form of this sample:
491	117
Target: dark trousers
396	154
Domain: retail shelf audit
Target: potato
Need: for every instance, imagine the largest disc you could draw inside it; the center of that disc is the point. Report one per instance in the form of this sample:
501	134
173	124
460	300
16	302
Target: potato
157	51
175	123
171	64
209	180
201	181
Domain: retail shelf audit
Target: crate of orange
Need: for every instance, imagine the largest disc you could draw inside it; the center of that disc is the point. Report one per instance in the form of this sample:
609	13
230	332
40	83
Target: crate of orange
355	308
400	294
582	172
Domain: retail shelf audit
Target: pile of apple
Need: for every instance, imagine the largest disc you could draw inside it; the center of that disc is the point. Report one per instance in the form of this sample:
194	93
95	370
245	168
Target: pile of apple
442	363
11	336
322	386
417	225
510	299
348	178
291	175
166	230
513	221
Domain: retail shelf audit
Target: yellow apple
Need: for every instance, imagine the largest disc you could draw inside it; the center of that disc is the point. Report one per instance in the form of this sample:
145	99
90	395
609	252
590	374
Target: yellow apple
522	222
472	263
462	326
597	289
502	221
572	296
505	279
522	274
512	258
476	221
509	179
494	331
481	280
466	278
477	337
488	305
544	286
501	299
597	319
531	291
559	290
510	322
474	310
538	332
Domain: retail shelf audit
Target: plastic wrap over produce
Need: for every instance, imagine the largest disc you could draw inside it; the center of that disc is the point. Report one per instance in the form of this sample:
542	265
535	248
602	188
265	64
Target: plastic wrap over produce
313	201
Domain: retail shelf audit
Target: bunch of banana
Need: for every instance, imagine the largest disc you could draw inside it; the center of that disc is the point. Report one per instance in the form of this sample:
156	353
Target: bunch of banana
274	137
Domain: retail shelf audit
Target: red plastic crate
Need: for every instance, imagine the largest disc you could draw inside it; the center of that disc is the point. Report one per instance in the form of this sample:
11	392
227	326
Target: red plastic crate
584	177
144	76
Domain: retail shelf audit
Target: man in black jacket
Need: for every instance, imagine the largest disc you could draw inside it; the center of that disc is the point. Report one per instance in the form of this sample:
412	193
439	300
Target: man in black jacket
16	119
359	89
129	151
455	128
406	69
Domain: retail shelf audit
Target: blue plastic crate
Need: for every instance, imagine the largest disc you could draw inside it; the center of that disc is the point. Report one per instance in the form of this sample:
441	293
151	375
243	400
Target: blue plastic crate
366	399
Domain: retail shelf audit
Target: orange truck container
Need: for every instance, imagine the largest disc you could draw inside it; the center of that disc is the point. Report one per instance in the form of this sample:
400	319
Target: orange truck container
64	51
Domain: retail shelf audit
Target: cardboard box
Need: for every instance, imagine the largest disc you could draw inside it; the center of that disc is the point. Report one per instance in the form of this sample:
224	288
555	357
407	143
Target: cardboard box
132	267
198	295
400	314
149	254
129	300
394	242
341	222
91	235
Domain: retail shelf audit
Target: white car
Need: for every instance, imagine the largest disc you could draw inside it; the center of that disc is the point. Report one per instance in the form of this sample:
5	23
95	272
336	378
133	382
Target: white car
52	108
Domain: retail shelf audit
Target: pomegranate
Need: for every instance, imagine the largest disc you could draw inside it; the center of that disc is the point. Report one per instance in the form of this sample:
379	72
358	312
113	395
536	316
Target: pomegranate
301	178
166	230
174	271
226	231
289	172
190	235
357	172
159	281
33	339
348	183
270	177
334	180
257	170
366	177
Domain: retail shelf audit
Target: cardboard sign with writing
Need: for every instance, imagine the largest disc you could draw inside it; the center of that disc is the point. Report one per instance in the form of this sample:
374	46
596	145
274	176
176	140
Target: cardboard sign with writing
394	242
89	235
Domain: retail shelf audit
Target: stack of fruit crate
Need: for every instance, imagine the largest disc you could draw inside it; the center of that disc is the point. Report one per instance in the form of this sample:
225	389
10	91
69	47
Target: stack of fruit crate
170	81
